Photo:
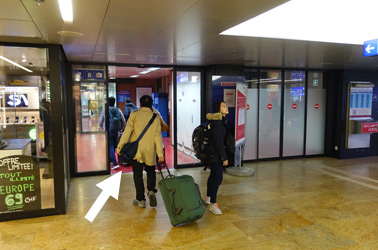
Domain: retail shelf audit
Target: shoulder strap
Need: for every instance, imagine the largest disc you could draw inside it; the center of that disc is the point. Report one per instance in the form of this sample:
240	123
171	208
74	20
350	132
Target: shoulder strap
147	126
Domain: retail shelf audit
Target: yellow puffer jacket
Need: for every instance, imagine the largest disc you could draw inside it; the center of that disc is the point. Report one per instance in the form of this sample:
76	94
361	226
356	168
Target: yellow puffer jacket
151	143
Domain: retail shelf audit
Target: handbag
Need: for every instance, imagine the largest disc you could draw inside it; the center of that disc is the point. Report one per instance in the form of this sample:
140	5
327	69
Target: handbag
129	149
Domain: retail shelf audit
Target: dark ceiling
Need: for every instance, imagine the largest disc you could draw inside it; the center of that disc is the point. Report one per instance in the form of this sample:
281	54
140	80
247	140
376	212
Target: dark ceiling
168	32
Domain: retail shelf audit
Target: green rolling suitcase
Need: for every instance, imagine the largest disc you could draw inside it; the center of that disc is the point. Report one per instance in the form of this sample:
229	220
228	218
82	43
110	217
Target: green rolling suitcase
181	198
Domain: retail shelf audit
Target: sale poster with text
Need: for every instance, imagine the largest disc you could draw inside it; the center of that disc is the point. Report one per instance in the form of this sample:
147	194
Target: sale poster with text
20	188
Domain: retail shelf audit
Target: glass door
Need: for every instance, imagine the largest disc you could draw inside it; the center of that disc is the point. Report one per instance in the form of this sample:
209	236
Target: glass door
188	93
90	140
316	108
294	112
269	114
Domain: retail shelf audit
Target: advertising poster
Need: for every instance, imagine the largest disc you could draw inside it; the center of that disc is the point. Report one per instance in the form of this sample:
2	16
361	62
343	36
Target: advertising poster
229	97
20	188
123	95
241	109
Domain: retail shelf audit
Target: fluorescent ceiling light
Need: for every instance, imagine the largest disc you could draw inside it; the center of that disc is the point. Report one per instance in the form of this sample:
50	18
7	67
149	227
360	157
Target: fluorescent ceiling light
16	64
134	76
333	21
66	10
144	72
153	69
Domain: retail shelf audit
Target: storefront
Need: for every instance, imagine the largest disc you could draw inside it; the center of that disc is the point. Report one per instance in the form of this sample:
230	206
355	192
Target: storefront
33	134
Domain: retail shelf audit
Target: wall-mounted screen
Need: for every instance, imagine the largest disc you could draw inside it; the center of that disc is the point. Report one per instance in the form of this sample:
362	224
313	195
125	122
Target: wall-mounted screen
297	91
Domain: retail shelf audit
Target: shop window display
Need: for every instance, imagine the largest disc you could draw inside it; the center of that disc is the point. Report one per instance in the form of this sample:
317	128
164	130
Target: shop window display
26	164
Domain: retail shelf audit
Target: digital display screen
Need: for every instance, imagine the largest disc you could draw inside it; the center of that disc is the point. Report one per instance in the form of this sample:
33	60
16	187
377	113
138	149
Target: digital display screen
182	77
297	91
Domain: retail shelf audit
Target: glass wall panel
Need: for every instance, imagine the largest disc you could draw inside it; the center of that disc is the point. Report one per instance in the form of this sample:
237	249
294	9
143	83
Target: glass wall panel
26	144
250	150
316	108
269	114
90	96
188	113
294	110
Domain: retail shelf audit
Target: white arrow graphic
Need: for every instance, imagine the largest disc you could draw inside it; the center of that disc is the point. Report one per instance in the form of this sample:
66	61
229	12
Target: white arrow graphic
368	48
110	187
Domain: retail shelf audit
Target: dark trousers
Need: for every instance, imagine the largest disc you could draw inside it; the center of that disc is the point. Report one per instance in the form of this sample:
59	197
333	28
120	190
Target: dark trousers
138	178
214	181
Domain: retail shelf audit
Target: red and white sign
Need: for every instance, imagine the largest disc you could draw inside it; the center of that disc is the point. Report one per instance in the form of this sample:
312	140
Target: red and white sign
316	106
371	127
241	111
228	84
248	107
294	106
269	106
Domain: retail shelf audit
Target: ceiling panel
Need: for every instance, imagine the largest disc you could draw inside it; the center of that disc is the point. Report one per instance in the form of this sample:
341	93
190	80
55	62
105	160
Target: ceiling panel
13	10
168	32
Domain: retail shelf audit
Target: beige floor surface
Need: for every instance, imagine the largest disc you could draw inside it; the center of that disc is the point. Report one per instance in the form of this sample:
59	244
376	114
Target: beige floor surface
314	203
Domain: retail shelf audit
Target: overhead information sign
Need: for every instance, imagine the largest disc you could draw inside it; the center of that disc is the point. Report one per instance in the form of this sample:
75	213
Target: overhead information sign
371	48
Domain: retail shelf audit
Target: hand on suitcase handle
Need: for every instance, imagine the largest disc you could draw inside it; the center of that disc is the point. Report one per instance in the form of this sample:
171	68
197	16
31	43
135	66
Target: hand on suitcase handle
161	160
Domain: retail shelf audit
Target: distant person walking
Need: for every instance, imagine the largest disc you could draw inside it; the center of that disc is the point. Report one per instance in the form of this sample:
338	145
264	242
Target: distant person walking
128	108
116	124
150	145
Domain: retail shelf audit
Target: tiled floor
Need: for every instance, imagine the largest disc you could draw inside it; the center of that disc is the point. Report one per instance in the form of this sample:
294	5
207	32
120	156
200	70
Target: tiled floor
313	203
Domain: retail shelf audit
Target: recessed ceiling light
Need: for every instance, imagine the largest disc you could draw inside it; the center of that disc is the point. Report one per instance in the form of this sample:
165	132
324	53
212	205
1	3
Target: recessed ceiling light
69	33
65	7
333	21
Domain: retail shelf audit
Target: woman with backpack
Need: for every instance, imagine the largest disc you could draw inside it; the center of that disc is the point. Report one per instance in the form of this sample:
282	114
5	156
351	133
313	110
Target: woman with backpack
218	160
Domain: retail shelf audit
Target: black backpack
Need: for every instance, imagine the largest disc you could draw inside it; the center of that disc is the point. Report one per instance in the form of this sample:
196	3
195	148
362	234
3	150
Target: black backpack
115	123
201	142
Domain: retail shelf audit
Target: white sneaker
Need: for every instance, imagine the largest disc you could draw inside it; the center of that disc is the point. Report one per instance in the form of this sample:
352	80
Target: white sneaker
215	209
141	204
115	167
208	200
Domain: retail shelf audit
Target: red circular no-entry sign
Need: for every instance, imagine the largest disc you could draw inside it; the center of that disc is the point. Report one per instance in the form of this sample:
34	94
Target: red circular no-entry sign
269	106
248	107
316	106
294	106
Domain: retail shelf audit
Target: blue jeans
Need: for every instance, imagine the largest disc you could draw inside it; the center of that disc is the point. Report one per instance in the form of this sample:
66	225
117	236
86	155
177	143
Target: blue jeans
112	144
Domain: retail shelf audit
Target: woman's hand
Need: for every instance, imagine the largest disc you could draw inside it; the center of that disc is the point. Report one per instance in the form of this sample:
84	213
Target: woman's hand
225	163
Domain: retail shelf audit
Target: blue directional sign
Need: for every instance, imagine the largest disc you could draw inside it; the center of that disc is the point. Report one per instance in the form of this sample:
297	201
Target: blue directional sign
371	48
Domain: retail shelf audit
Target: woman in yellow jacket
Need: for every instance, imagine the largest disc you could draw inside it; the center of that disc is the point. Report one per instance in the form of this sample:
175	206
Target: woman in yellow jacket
150	145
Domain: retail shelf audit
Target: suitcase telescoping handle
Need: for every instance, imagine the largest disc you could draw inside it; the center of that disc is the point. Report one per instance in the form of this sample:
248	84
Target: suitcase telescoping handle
160	168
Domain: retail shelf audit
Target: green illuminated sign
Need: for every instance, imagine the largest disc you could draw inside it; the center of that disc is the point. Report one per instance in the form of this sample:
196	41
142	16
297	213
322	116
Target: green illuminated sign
33	134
